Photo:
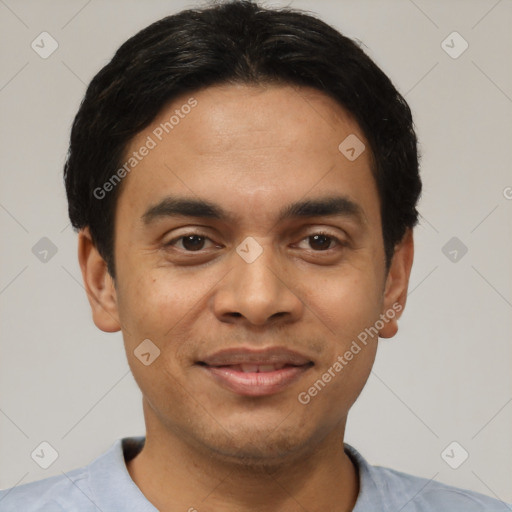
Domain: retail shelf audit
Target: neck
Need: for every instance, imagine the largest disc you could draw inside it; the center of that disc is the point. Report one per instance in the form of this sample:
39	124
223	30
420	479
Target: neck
173	475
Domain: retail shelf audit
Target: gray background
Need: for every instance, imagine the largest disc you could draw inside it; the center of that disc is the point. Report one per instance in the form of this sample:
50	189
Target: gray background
445	377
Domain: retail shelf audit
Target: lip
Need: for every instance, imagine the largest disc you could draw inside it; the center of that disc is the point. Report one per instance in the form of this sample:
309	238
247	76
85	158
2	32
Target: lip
222	367
241	355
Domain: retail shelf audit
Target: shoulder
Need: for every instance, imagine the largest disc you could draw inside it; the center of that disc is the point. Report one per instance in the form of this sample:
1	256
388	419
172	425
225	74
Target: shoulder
416	494
409	493
82	490
54	494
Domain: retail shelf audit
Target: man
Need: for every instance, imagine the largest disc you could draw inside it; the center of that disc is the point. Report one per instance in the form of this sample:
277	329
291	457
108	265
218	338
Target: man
244	182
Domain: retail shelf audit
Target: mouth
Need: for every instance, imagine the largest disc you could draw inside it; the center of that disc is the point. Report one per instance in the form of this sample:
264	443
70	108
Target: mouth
255	373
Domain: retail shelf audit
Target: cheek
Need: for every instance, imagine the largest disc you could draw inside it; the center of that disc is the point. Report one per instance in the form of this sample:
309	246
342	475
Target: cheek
156	308
344	308
338	384
151	303
345	303
169	309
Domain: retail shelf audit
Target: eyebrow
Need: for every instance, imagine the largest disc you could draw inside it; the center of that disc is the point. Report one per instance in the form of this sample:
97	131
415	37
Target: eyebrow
178	206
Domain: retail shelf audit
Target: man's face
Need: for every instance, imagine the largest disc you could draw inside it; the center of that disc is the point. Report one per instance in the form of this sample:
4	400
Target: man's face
252	152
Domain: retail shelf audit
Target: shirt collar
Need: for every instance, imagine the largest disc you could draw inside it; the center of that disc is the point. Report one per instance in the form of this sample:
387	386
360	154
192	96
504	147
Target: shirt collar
109	472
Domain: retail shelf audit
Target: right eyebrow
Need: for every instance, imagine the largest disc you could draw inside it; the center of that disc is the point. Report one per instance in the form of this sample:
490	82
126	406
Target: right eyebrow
172	206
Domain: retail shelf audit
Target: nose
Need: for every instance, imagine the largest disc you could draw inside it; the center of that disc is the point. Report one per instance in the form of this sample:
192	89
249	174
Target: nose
259	293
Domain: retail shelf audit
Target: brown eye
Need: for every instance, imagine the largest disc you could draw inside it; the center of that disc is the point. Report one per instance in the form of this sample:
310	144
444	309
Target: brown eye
320	242
193	242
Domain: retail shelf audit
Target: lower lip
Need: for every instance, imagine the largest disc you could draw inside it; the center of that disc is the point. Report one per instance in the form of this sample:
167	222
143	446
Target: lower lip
256	384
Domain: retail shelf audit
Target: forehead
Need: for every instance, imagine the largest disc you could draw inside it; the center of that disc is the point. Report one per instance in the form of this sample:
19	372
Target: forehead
238	118
254	147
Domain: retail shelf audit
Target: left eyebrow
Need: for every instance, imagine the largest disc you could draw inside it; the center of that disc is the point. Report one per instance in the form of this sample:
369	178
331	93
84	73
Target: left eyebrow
180	206
340	206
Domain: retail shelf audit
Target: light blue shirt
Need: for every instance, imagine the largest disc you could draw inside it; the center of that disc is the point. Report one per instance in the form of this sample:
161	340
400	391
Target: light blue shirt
106	486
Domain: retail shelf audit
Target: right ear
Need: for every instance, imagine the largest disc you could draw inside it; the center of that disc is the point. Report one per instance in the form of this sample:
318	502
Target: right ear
98	283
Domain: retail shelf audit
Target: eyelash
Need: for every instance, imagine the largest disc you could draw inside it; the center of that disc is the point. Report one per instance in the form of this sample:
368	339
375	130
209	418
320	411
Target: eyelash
339	243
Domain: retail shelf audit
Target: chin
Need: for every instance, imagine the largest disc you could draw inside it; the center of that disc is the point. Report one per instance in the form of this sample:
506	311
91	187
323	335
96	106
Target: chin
264	448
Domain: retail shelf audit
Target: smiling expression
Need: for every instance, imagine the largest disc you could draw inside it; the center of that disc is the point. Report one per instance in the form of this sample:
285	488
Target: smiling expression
255	170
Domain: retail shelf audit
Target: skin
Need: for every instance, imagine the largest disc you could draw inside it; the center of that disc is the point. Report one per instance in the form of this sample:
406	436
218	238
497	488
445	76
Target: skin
252	150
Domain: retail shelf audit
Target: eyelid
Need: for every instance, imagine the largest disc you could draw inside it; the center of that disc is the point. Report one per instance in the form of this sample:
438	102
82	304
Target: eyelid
340	241
189	233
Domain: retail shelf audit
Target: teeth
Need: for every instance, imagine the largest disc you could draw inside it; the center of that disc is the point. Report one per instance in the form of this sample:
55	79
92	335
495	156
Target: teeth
253	368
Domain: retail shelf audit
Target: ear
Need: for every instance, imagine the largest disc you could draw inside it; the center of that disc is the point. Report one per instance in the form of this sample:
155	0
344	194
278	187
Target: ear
99	284
397	283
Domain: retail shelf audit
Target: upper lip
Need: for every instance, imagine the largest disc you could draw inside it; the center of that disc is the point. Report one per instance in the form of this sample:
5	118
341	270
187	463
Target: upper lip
273	355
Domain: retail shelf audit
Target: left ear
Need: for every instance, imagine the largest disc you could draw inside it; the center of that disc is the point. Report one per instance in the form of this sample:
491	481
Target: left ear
397	283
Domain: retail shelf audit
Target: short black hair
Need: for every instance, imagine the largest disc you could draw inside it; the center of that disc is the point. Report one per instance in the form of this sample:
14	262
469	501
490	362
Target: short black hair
235	42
